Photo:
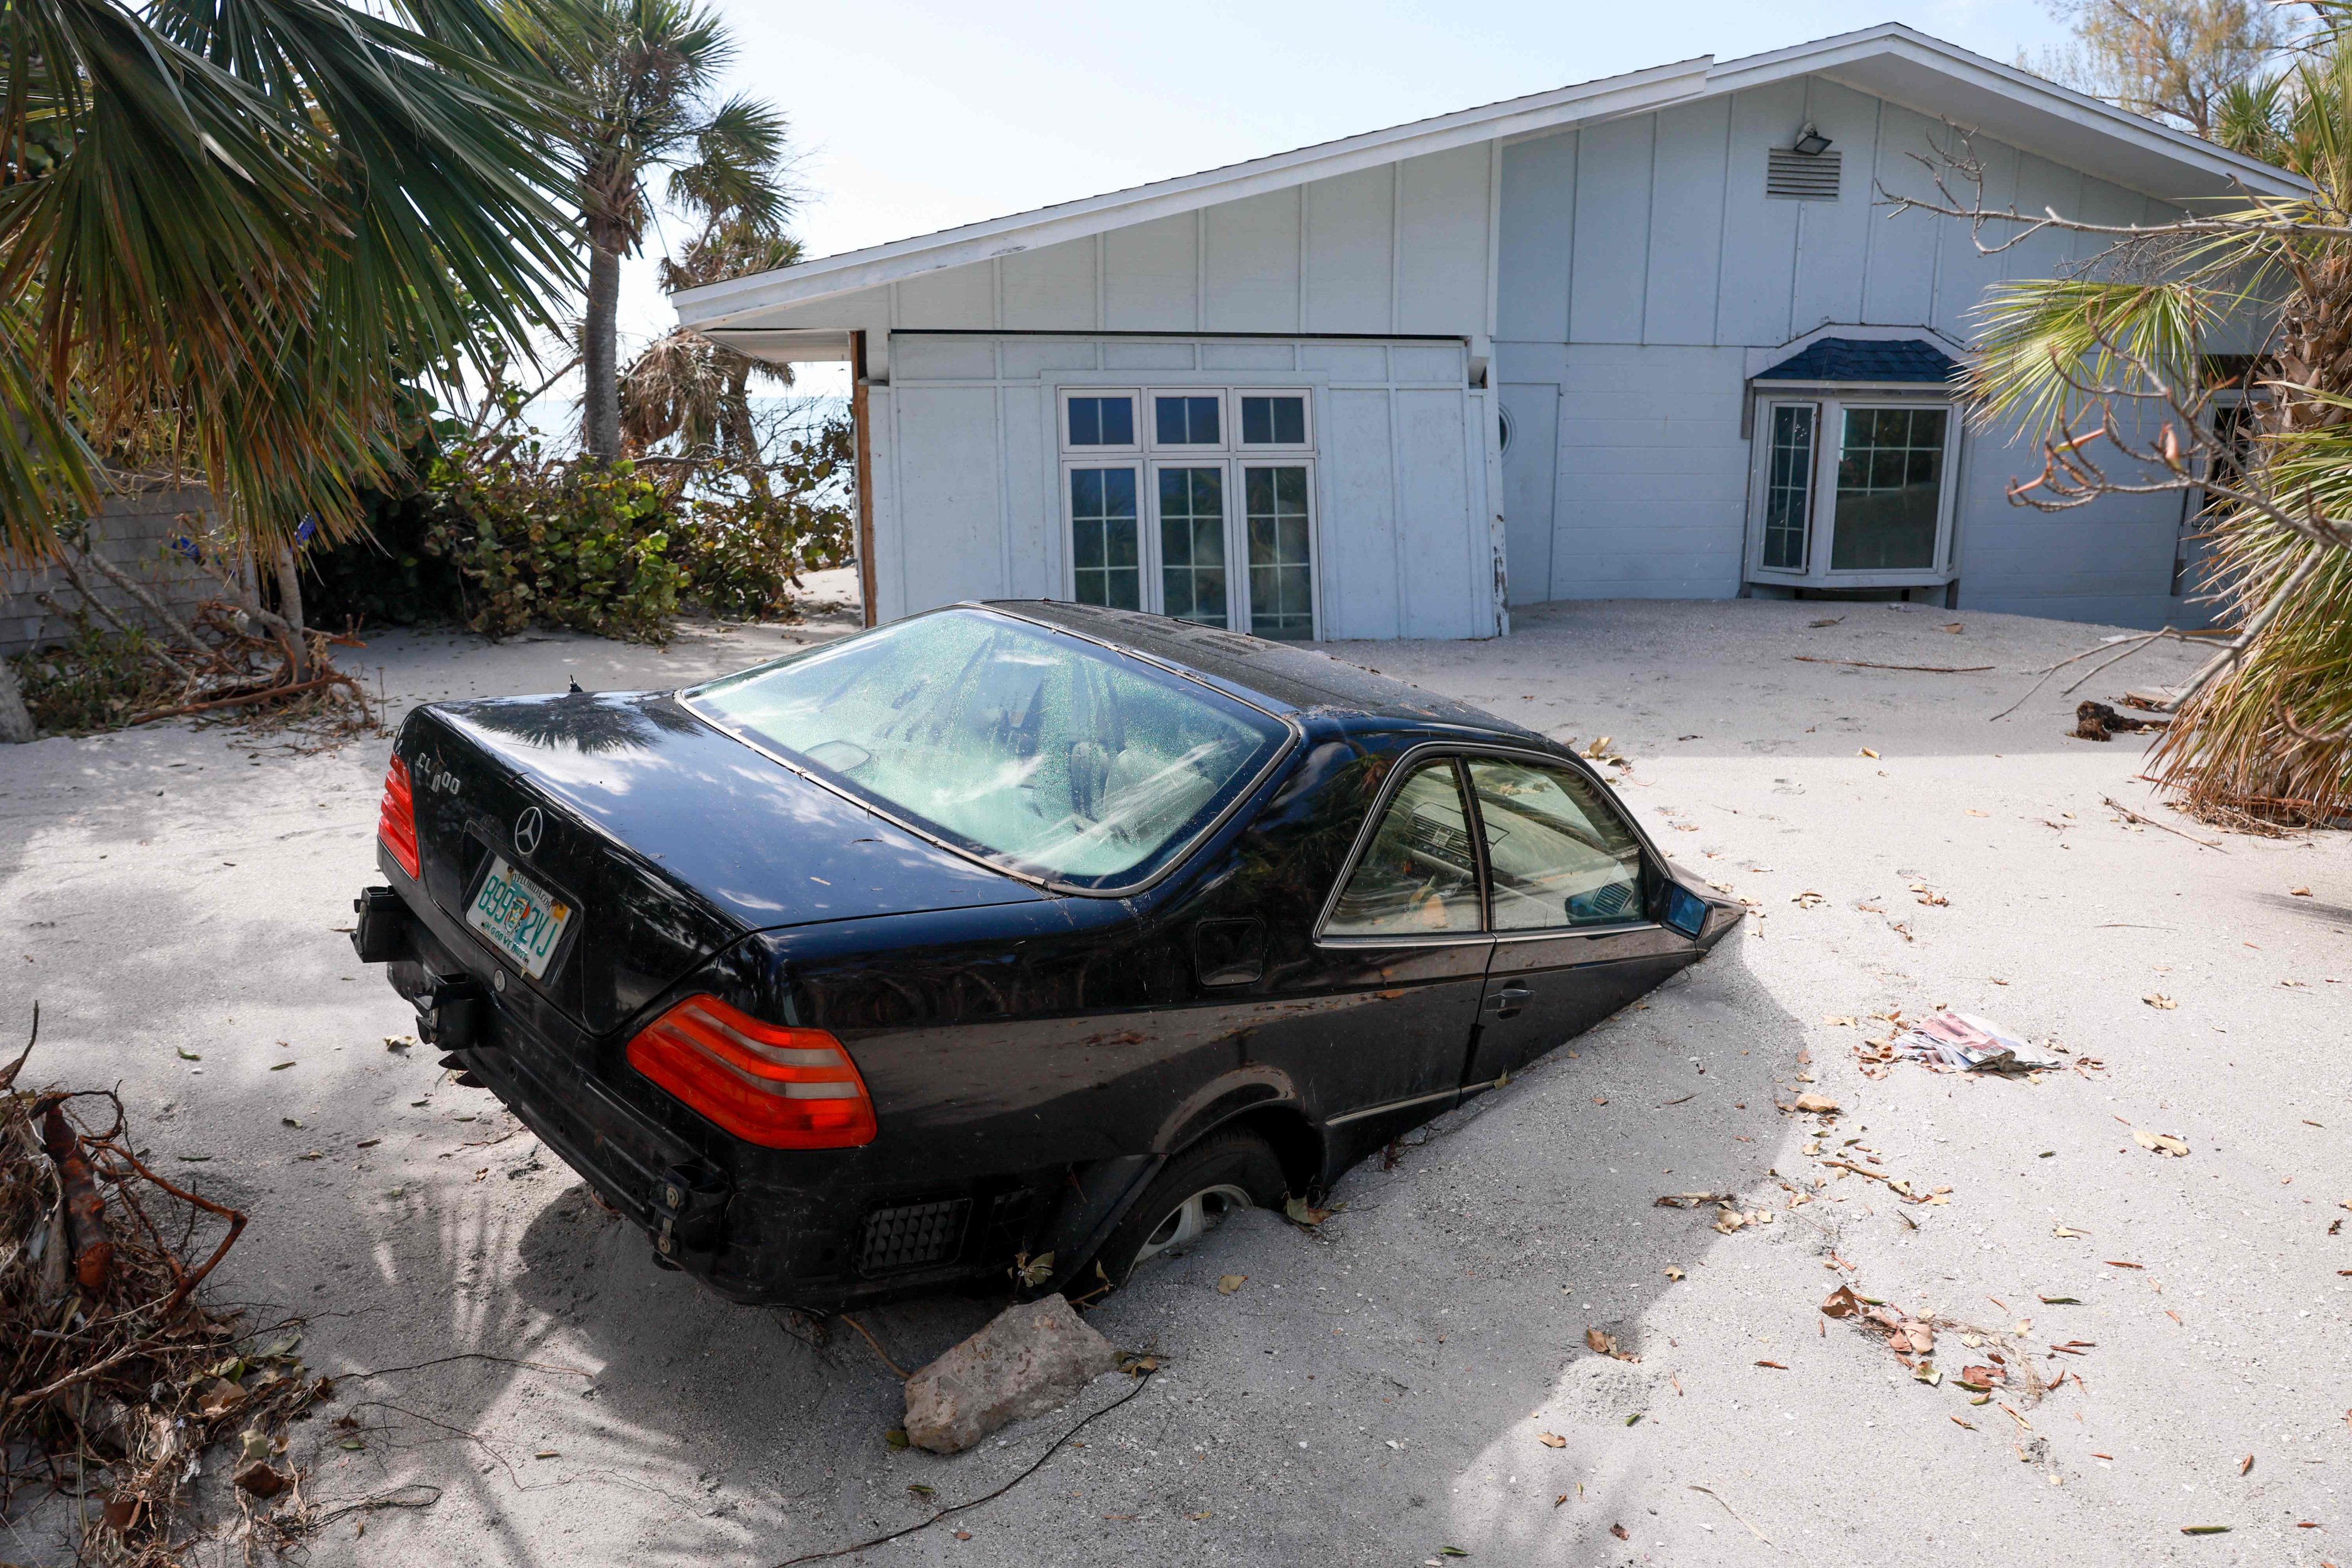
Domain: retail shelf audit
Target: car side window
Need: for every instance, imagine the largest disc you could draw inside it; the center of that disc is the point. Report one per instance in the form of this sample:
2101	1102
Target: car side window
1559	853
1419	874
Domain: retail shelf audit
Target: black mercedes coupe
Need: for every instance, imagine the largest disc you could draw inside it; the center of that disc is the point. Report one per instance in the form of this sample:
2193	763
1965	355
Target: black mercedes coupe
1007	942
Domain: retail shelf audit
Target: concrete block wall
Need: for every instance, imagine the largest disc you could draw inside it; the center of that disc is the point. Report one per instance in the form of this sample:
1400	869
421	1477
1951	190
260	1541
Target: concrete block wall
135	533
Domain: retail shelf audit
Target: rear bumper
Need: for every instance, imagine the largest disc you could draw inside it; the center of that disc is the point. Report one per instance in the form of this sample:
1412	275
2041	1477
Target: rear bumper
792	1228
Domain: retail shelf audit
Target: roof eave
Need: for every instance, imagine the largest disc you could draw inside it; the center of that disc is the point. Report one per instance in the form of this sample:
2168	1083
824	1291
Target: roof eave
714	305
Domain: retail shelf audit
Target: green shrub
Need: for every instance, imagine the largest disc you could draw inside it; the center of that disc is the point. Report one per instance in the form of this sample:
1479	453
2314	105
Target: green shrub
495	535
743	550
541	542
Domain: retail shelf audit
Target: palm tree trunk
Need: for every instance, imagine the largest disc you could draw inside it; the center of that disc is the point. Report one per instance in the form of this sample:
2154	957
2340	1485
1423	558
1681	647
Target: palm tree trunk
15	722
289	610
601	418
744	436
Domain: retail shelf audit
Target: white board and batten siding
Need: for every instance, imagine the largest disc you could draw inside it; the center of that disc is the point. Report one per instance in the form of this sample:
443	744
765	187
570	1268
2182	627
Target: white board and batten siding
968	468
1640	263
1371	292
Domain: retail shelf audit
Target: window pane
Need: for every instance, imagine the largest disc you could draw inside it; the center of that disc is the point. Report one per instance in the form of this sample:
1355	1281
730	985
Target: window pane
1103	538
1281	558
1273	421
1788	488
1558	853
1102	422
1890	490
1419	874
1185	421
1192	544
1036	750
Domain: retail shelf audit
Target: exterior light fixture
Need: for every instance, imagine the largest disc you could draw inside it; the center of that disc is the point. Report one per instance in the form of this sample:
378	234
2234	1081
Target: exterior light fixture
1811	142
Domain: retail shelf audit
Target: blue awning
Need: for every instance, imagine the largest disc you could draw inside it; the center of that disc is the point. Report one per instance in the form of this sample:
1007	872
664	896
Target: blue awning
1866	360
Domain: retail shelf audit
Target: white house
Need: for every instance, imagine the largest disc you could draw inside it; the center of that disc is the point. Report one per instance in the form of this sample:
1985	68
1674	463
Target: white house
1658	335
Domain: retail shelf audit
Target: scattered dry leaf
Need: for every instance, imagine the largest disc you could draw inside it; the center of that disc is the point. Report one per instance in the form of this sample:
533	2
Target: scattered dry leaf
2160	1002
1229	1283
2165	1144
1551	1439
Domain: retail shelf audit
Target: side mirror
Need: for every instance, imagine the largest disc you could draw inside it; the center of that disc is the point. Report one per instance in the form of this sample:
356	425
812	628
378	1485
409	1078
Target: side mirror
1686	911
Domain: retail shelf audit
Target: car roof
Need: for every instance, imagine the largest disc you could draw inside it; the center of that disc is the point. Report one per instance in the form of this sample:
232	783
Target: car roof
1278	675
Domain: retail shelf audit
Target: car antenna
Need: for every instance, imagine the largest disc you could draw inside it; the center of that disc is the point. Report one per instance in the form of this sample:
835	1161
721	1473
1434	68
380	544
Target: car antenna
575	691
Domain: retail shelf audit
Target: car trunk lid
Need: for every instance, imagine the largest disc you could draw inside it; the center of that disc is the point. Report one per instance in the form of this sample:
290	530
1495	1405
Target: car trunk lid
667	839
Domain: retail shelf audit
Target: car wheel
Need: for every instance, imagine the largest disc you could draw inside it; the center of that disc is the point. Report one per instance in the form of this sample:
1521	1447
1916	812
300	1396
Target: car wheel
1194	1192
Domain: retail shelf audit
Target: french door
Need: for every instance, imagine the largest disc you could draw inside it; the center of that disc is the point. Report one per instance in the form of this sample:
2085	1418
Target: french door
1223	541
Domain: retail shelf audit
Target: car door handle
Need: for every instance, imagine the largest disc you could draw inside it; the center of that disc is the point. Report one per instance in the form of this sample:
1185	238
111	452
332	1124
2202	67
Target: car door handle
1506	1003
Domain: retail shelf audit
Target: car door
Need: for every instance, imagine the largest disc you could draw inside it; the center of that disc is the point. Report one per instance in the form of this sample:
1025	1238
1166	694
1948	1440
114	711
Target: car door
1571	890
1378	1019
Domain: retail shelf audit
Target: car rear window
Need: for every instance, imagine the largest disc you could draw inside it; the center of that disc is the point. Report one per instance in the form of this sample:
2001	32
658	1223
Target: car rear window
1034	749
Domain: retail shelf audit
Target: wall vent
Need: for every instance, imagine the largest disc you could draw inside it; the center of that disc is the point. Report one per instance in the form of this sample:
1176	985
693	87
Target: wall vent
1792	176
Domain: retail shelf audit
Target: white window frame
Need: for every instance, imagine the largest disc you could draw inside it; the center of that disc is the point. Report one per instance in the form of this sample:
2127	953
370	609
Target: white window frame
1146	555
1149	432
1167	457
1305	397
1062	420
1830	401
1238	526
1149	456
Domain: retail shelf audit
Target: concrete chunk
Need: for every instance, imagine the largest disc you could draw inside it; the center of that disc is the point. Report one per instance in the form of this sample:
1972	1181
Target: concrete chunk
1028	1360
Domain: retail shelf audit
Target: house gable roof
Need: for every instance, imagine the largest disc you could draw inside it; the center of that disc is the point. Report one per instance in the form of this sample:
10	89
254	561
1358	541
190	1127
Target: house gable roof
1891	61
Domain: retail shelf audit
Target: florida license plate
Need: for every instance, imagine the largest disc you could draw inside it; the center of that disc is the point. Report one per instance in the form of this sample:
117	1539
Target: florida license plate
518	917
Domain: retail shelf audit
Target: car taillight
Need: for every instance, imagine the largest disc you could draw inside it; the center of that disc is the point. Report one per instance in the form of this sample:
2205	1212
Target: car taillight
395	817
777	1087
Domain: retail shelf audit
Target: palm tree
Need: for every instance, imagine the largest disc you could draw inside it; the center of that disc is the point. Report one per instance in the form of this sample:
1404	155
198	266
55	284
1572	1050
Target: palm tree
2115	369
683	384
230	230
644	70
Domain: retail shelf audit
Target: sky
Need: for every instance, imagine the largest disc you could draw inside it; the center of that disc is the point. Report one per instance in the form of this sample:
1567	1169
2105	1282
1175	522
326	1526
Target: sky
910	116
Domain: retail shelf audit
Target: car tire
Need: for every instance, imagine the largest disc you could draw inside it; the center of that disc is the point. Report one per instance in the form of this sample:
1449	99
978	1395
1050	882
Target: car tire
1193	1192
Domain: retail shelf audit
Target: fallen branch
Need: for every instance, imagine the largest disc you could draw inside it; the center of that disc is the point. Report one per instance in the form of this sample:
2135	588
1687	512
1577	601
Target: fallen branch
236	1218
2137	643
1140	1380
187	677
1922	668
2151	822
865	1335
398	1497
291	690
147	601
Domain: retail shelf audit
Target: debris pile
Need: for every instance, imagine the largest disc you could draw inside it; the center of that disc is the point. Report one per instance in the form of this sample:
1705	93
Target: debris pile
118	1376
2098	721
1965	1043
1946	1041
1729	1214
2007	1365
230	658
